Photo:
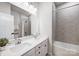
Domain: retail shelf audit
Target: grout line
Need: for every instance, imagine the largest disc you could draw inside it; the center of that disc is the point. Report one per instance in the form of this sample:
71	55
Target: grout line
68	6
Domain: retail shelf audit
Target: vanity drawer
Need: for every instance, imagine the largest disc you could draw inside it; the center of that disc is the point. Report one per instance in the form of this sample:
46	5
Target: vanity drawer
38	47
30	53
39	52
45	44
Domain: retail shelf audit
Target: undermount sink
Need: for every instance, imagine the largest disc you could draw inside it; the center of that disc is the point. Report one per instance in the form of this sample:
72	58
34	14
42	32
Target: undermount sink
19	47
26	42
31	41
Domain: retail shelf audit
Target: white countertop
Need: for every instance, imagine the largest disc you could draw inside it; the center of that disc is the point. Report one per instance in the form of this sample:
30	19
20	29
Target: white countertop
22	48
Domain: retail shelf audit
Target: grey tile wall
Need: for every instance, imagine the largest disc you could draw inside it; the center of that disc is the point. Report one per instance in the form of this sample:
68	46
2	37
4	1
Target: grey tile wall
67	25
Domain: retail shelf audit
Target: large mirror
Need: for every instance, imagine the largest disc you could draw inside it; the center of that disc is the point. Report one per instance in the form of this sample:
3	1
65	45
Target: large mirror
22	23
16	22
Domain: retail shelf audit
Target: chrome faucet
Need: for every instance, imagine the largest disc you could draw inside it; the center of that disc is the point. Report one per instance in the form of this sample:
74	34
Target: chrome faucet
18	41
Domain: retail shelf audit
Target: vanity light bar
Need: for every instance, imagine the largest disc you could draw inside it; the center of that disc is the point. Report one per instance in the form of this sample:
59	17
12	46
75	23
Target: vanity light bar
26	6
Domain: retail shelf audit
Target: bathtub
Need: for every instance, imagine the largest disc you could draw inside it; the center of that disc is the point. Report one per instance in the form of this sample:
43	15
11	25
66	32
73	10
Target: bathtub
65	49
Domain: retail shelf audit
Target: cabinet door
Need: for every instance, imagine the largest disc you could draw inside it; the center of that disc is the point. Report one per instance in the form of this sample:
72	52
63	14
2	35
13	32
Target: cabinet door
44	48
30	53
39	52
38	47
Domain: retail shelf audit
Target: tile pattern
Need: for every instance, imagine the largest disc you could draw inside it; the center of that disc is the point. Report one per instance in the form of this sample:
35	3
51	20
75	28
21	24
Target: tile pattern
67	25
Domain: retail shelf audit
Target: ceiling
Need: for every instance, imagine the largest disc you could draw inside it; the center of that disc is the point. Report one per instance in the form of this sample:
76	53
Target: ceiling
56	3
59	3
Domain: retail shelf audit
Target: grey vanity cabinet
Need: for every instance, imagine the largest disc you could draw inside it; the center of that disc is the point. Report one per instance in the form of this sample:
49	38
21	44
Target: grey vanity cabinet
30	53
44	48
40	50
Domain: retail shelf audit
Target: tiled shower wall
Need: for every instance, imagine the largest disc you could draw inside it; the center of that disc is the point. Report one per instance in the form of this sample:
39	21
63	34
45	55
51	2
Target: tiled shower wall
67	24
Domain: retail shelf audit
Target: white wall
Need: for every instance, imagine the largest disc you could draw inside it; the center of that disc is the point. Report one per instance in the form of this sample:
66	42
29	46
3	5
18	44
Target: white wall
44	20
45	16
5	7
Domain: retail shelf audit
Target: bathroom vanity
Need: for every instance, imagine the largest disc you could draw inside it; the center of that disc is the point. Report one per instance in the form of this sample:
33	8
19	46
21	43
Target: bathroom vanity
30	47
39	50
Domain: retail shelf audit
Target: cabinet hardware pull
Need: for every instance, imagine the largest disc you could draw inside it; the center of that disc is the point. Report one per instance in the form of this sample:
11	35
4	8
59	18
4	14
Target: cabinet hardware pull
39	47
39	52
45	45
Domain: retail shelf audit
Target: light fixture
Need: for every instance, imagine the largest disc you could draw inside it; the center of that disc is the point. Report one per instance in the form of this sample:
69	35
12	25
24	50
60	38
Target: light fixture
26	6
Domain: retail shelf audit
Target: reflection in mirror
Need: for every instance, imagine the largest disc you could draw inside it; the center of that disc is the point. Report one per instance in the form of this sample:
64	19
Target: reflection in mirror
6	25
26	25
22	24
18	23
